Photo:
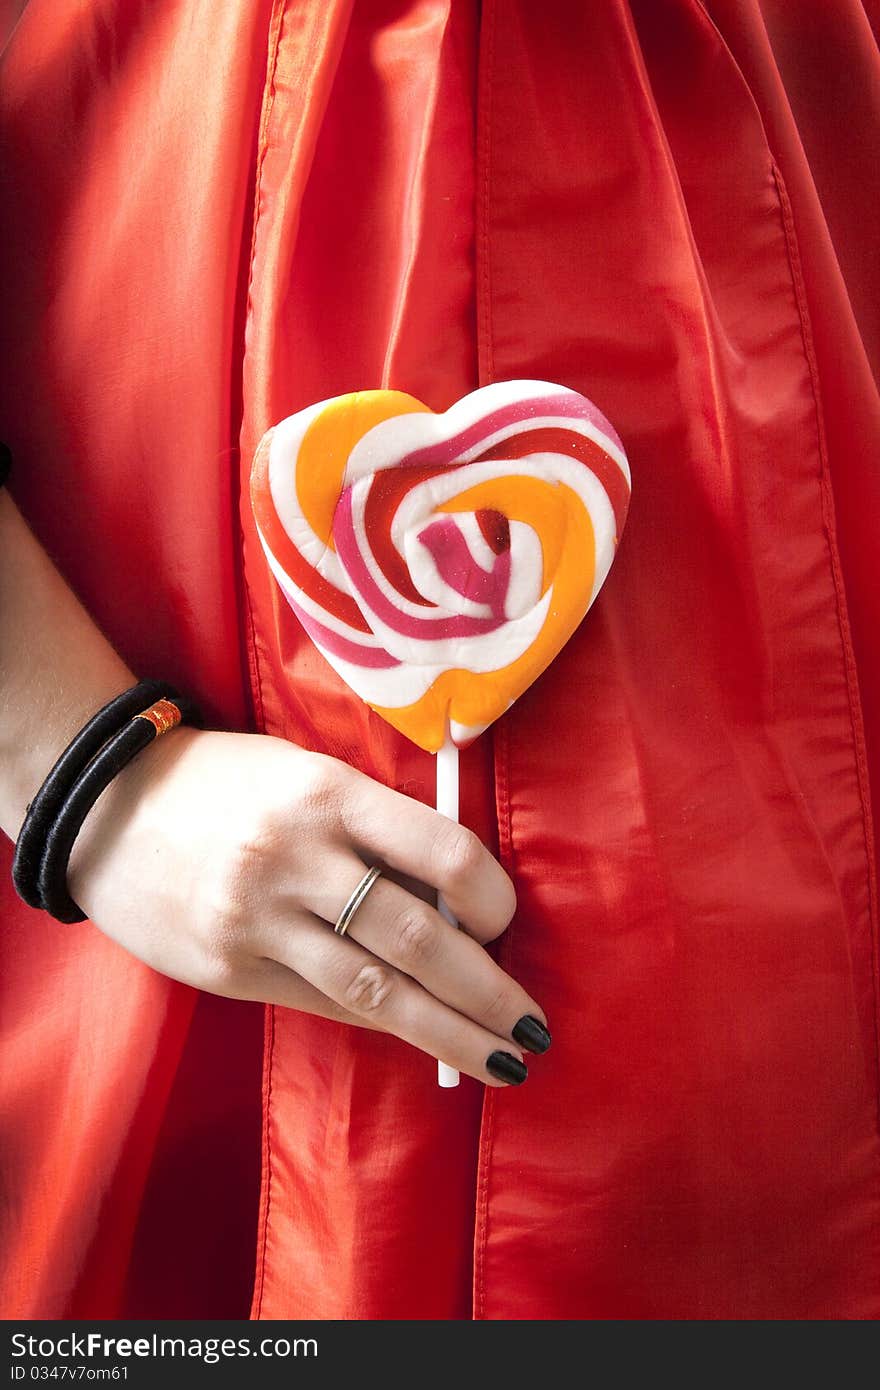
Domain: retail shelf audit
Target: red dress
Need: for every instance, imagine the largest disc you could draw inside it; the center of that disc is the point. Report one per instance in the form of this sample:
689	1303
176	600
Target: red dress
218	214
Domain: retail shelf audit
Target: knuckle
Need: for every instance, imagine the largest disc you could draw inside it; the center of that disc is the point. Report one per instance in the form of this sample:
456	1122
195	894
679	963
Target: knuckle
322	788
369	990
255	851
416	938
228	936
222	972
503	908
459	855
499	1012
231	898
354	802
220	916
320	782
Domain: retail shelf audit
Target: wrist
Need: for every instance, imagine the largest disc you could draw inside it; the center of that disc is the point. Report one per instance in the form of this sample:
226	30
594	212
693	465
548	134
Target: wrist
109	740
133	798
43	734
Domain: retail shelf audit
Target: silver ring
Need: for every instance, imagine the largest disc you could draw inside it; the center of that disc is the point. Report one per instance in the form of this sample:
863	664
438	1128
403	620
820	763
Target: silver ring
343	921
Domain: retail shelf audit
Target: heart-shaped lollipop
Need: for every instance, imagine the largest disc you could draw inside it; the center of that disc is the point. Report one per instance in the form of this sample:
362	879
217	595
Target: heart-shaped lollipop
440	562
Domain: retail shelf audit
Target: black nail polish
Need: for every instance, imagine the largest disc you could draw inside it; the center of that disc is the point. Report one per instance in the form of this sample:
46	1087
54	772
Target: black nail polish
506	1067
531	1034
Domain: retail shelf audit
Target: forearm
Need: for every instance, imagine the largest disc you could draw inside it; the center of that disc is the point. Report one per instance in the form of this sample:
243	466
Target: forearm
56	667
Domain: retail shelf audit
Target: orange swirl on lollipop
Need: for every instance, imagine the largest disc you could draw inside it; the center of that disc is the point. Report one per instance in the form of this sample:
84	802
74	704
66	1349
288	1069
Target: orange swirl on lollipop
327	443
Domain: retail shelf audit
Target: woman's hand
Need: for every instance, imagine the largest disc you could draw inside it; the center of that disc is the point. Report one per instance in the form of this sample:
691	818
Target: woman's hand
223	860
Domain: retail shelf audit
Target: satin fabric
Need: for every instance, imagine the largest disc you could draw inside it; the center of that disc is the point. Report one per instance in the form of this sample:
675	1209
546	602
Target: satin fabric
661	204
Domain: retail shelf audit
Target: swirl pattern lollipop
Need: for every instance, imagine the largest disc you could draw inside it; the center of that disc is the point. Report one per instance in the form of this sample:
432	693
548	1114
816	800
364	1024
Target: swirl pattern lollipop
440	561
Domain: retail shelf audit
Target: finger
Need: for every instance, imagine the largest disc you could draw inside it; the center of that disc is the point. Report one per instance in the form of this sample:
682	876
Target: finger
374	991
412	936
273	983
417	840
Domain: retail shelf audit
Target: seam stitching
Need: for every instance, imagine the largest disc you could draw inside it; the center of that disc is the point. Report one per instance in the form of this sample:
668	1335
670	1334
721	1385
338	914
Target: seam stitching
276	25
828	517
485	288
263	1232
487	1139
275	28
486	370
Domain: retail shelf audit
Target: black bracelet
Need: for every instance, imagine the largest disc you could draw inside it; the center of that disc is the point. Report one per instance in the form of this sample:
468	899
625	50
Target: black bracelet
5	462
125	745
76	757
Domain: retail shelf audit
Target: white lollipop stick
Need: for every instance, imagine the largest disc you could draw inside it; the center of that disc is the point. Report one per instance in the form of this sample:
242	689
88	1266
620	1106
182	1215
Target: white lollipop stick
447	805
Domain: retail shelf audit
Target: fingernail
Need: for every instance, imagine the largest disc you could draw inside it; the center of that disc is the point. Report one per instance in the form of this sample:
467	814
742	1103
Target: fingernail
506	1067
531	1034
